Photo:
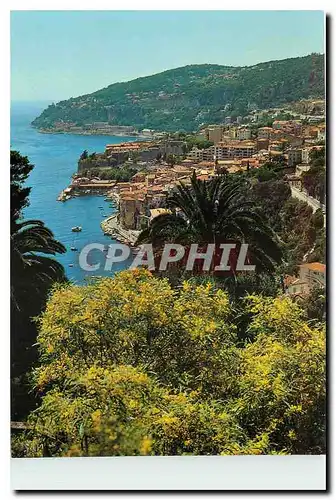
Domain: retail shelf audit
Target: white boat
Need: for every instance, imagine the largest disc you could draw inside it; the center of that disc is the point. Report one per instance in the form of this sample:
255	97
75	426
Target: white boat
74	249
76	229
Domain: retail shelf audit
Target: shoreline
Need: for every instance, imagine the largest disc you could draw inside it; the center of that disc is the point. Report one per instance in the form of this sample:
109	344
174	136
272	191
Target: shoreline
111	227
92	132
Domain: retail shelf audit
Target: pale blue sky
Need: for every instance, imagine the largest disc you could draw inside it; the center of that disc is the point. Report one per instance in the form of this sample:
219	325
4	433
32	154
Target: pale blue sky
60	54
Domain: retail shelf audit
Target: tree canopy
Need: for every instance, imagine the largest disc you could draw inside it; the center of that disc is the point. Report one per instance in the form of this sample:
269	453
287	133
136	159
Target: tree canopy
131	366
184	98
33	272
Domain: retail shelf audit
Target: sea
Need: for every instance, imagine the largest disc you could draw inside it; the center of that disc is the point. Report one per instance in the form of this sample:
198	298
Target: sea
55	157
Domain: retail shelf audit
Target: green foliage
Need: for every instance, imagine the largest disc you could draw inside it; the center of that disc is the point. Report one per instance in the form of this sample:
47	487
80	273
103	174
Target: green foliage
123	173
314	304
171	160
272	170
314	180
215	212
184	98
20	168
33	272
84	155
301	233
130	366
198	142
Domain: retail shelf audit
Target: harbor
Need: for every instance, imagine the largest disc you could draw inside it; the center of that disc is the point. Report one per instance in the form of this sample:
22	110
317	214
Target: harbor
111	227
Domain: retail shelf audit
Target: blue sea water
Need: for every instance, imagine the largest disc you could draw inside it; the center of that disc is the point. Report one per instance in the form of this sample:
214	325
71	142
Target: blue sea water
55	158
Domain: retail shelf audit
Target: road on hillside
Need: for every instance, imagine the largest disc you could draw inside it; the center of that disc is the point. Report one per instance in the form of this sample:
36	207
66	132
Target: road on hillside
312	202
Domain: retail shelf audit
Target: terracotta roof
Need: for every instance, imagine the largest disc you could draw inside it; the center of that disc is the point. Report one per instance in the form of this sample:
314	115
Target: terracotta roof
206	163
291	280
154	212
315	266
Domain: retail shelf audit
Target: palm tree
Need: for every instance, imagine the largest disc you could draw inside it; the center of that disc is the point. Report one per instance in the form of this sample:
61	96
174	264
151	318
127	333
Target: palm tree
32	270
214	212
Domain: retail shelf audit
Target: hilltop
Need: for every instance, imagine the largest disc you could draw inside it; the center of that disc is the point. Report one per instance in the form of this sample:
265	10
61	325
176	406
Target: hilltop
184	98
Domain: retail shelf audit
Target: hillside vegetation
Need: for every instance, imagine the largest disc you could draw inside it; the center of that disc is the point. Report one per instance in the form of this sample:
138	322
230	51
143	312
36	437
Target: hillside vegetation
184	98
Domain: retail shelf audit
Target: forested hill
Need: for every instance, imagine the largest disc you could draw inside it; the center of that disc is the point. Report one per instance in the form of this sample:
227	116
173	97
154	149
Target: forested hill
183	98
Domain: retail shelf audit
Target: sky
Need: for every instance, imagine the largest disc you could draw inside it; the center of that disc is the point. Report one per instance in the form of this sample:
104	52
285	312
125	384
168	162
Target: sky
56	55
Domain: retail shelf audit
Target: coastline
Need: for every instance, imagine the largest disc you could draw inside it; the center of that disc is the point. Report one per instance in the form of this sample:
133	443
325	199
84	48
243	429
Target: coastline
92	132
112	228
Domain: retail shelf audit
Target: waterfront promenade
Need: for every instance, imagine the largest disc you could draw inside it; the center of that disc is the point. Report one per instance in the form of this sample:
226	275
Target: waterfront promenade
111	227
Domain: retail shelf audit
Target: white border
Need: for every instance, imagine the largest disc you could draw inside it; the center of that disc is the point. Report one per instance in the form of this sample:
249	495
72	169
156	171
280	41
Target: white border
272	472
51	473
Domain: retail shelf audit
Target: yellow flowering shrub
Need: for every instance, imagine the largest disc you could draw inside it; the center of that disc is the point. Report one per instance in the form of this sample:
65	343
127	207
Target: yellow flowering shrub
282	377
136	319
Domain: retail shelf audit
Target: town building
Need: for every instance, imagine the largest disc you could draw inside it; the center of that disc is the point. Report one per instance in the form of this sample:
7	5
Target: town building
265	133
300	168
215	133
234	149
154	212
314	274
311	275
262	144
294	157
244	133
195	154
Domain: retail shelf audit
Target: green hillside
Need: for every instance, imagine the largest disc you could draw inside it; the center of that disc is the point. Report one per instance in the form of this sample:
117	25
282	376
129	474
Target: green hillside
183	98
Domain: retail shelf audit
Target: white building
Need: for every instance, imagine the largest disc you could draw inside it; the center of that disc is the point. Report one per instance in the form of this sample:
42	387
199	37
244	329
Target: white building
234	149
294	157
321	135
195	154
244	133
300	168
265	132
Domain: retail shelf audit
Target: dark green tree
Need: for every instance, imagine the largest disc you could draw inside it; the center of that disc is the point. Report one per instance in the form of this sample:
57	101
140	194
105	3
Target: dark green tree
33	272
215	212
20	168
84	155
171	160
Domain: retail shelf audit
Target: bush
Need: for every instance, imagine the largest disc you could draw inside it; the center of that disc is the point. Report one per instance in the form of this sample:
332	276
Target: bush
130	366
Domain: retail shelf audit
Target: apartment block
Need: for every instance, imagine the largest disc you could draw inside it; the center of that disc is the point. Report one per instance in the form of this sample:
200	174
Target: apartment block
313	273
234	149
244	133
294	157
265	132
215	133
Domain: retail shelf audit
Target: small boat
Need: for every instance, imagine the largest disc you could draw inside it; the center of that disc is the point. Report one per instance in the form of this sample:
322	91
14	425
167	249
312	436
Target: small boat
76	229
70	265
107	199
101	207
74	249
